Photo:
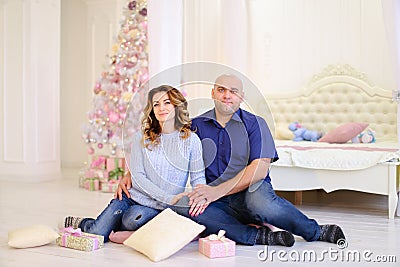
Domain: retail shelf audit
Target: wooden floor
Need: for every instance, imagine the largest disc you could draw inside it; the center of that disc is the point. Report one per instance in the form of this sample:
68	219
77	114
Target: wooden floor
363	218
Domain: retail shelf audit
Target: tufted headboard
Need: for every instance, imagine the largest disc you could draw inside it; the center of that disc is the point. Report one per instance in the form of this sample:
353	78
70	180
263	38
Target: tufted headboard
338	95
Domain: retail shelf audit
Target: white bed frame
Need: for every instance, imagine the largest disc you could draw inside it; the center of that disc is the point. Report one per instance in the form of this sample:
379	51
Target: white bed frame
338	95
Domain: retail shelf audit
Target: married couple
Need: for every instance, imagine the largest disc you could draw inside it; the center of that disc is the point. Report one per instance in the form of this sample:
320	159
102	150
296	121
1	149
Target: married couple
226	152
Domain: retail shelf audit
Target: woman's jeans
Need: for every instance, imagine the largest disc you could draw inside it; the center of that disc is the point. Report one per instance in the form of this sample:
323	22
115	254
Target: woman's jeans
119	215
257	205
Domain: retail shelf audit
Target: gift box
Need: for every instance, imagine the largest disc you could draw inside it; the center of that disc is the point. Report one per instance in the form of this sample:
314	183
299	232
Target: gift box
116	174
109	186
115	163
90	173
217	246
76	239
99	162
92	184
102	175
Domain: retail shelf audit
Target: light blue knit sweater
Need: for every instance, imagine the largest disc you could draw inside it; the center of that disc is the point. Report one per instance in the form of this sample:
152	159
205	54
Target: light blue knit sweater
162	172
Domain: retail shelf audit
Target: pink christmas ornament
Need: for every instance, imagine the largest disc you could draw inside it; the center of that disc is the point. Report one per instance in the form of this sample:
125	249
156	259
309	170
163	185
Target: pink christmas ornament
113	116
100	145
117	68
90	151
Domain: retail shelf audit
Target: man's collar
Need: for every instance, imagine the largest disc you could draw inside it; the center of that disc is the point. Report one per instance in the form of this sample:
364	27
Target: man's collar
210	115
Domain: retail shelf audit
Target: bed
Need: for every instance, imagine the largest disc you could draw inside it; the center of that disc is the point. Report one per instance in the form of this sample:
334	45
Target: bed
338	95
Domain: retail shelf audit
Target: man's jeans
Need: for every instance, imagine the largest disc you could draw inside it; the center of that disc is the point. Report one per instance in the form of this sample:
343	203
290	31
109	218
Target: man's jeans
257	205
119	215
215	219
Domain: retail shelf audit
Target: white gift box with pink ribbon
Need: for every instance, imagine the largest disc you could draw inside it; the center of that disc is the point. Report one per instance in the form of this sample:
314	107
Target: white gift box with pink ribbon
76	239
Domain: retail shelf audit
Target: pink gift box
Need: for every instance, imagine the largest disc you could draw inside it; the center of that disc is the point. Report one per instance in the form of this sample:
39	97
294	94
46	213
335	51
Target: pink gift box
99	162
92	184
110	186
217	246
95	173
102	175
113	163
90	174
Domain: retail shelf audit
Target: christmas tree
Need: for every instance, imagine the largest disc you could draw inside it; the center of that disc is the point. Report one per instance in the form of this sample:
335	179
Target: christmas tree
118	98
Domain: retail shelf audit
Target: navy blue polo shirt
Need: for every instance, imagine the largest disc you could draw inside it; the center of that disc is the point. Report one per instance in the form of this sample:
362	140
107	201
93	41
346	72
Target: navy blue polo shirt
227	150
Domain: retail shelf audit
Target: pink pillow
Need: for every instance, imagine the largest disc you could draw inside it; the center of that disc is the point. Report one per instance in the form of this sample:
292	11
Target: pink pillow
344	132
120	236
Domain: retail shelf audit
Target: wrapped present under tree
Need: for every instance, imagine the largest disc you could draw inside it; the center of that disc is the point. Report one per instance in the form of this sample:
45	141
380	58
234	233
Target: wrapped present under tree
99	162
92	184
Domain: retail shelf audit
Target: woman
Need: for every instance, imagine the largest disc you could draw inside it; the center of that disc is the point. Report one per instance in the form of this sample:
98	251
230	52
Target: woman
163	155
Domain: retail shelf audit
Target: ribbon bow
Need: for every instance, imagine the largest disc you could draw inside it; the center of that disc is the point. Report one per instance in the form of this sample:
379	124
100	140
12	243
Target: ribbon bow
71	231
114	174
98	162
220	236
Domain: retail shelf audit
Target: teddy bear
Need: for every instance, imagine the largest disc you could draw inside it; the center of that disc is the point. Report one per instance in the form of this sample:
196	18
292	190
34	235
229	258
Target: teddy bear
303	134
367	136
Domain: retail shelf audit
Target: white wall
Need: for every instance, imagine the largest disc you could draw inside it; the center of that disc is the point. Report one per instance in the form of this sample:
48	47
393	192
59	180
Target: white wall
288	41
30	90
75	86
165	36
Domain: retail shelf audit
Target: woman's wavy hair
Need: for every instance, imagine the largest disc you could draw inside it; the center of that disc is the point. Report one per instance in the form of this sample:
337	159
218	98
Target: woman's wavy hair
151	128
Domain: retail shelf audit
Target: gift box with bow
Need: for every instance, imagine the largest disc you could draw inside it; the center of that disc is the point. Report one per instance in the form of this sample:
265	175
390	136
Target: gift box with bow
103	175
92	184
98	162
217	246
116	174
90	173
109	186
115	164
76	239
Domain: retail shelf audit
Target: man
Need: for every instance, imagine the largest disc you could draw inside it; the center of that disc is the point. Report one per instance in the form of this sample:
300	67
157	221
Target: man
238	149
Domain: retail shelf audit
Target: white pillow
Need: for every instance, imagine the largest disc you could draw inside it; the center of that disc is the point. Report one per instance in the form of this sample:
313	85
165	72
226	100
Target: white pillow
164	235
31	236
